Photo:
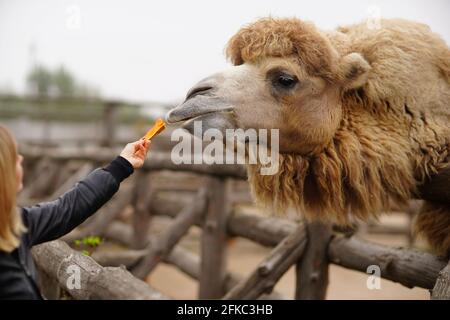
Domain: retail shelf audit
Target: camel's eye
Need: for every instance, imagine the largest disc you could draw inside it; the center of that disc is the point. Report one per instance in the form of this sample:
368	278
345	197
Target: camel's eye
283	80
286	81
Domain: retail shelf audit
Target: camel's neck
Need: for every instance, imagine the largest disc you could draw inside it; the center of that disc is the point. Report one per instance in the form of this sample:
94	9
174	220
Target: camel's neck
378	155
353	177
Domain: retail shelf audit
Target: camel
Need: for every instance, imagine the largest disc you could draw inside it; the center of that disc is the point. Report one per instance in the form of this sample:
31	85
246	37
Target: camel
363	116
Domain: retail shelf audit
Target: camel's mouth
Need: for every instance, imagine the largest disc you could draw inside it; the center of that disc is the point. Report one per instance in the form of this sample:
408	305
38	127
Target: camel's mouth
200	102
207	105
200	113
187	118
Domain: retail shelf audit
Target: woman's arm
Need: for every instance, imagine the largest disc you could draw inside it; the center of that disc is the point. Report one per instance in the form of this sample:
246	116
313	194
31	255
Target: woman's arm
51	220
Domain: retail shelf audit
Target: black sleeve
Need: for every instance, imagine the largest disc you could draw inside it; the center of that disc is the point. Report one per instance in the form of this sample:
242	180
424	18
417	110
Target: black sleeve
51	220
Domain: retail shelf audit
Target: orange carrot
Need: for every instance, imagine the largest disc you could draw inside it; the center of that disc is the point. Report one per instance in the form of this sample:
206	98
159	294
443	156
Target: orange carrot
156	129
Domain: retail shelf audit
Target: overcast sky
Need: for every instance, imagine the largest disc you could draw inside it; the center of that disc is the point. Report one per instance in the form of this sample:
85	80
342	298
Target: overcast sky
155	50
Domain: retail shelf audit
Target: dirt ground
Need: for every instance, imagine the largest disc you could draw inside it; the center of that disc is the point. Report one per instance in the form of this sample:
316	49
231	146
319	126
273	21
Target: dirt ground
244	256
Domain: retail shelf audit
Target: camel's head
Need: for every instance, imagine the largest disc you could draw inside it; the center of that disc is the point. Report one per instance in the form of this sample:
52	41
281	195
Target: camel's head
286	76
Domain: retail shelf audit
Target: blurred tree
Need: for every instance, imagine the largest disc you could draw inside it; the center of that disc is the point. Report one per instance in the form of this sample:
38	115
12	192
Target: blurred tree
40	80
87	91
64	82
60	83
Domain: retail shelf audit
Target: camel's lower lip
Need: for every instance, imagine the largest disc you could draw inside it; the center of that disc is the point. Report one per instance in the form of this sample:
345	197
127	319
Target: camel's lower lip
187	122
195	117
200	117
184	120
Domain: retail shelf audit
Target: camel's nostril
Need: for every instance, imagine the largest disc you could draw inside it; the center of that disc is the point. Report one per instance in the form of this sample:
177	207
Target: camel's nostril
197	90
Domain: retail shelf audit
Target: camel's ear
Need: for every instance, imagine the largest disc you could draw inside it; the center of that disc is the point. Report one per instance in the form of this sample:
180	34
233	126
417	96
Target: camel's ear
353	71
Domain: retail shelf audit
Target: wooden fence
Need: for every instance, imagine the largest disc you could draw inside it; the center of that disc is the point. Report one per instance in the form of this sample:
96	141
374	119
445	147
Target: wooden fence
310	247
54	121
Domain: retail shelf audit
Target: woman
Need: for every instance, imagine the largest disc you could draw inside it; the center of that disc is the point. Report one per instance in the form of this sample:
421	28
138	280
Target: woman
20	229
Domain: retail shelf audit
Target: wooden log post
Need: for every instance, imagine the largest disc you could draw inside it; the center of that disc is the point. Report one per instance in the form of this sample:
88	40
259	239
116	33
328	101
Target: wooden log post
270	270
412	211
312	269
141	216
110	112
161	246
213	243
92	281
441	290
49	286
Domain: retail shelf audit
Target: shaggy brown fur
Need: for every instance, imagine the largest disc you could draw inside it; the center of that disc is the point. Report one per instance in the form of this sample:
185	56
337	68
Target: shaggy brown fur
394	131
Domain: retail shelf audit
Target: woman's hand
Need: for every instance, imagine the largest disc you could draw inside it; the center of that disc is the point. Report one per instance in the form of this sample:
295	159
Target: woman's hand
135	152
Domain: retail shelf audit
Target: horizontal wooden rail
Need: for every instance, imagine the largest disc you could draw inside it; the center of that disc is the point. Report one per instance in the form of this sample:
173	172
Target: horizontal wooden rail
184	260
264	230
161	245
411	268
60	262
272	268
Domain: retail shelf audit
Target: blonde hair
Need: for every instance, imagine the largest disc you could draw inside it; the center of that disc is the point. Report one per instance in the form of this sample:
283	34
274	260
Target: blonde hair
11	226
